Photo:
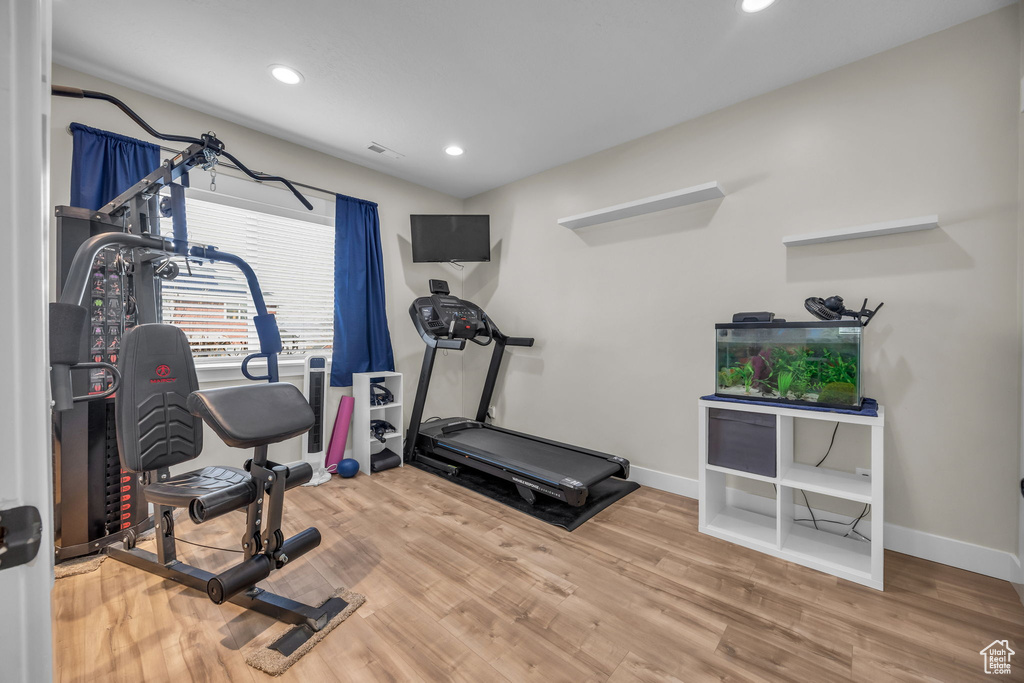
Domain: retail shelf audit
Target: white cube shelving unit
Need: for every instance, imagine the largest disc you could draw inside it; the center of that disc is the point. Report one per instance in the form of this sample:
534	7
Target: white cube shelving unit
779	535
363	442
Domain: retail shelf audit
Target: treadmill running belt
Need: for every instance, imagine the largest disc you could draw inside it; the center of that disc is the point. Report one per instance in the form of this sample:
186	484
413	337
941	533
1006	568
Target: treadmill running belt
530	453
602	494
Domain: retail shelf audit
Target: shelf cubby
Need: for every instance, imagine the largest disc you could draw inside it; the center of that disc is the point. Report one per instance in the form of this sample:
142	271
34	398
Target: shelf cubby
830	553
732	523
739	523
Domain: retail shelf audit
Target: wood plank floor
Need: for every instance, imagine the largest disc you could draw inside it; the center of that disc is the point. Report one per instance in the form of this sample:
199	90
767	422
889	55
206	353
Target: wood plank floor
460	588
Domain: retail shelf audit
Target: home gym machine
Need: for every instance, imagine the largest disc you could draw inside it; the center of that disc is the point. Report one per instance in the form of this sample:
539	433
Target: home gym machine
112	454
533	464
96	501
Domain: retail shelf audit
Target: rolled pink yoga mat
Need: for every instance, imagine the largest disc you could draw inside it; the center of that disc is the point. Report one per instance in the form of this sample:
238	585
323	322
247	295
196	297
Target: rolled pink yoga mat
336	450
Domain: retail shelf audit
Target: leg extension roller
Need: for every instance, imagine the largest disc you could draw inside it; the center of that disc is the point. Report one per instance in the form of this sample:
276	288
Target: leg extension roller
231	582
251	571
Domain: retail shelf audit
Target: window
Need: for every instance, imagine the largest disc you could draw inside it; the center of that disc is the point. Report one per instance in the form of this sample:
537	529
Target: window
294	261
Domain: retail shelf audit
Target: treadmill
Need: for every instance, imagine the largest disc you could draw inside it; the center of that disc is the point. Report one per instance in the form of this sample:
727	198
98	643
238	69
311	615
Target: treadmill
534	465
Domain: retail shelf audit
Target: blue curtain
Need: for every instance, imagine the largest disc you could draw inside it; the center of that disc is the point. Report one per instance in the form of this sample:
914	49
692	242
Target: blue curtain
362	342
104	164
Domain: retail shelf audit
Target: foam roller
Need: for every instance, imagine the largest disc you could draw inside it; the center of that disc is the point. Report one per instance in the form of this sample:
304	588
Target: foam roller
213	505
243	576
298	545
299	473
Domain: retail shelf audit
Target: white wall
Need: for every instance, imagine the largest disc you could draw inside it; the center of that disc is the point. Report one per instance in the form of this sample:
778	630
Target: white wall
624	312
396	199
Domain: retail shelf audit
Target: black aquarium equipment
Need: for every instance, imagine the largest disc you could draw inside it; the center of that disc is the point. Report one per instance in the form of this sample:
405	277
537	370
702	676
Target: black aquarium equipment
447	238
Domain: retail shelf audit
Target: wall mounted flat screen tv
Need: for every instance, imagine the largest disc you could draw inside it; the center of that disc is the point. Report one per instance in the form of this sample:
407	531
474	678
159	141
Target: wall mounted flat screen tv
441	238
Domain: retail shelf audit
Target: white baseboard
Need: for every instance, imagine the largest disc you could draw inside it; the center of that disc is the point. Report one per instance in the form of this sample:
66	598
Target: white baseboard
1020	590
975	558
671	483
998	564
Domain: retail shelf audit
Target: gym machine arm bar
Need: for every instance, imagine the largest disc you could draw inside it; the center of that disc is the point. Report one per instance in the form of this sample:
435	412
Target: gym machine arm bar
266	322
61	388
111	368
78	281
190	157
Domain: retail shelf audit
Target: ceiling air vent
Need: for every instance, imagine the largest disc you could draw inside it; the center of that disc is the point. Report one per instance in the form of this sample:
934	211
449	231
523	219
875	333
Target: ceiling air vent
384	151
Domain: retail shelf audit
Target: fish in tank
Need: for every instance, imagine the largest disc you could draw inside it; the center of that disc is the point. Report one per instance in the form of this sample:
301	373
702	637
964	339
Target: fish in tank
805	363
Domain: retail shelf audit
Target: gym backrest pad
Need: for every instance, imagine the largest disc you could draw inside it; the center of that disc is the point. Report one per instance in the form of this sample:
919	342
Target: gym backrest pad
155	427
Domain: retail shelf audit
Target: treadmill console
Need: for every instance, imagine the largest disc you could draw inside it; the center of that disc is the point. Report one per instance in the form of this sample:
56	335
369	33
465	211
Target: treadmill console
443	316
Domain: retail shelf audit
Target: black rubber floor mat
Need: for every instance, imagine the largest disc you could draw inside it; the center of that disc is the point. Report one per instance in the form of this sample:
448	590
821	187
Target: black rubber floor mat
546	509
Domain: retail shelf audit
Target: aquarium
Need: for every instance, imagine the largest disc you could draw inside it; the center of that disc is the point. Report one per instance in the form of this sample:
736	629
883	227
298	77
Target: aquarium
806	363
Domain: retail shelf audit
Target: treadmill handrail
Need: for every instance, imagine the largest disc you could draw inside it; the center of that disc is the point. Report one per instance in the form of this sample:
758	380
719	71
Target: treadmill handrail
519	341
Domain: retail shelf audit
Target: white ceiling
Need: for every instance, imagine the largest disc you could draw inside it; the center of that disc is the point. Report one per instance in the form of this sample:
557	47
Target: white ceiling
522	85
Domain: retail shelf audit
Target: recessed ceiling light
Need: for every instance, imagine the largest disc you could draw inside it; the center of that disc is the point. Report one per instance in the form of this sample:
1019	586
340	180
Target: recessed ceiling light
453	150
751	6
285	74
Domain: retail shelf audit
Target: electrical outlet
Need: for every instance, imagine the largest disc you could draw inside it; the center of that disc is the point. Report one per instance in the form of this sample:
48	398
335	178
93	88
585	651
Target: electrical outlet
863	472
492	411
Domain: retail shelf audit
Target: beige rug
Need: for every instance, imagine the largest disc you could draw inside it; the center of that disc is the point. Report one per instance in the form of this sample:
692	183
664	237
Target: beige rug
77	566
259	655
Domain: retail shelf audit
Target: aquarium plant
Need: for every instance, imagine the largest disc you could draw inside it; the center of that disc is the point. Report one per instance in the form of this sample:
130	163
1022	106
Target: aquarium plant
834	368
762	366
728	377
785	380
839	393
747	374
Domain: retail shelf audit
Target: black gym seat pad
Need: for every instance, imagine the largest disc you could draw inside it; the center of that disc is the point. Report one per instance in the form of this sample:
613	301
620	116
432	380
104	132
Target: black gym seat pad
180	490
547	509
540	459
254	414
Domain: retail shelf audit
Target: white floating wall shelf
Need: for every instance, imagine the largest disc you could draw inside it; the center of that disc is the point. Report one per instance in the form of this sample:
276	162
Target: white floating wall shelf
873	230
638	207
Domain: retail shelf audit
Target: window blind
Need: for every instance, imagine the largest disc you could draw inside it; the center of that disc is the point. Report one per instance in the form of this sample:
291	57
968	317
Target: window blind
294	261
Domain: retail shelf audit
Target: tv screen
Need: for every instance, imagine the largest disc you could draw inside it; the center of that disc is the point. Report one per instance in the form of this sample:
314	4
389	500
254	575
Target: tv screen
450	238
